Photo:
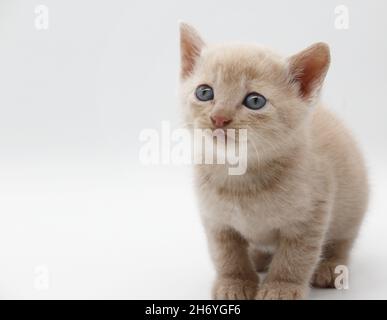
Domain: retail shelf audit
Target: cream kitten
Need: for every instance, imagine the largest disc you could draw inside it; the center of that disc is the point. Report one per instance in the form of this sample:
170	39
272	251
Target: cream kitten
297	210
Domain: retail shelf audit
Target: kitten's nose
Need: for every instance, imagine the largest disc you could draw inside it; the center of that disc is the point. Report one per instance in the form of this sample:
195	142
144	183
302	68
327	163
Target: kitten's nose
220	121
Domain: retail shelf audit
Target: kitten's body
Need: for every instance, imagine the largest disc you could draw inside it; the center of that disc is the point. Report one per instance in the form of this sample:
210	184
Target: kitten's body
305	191
274	195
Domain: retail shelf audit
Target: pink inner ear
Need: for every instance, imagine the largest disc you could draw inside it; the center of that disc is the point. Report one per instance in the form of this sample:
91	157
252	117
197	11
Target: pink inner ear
190	45
309	68
189	54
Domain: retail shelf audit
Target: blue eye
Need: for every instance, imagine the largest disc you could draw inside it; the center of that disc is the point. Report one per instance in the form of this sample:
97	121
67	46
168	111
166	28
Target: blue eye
254	101
204	93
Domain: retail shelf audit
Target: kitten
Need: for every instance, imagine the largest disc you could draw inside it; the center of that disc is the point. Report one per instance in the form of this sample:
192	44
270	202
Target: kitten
297	210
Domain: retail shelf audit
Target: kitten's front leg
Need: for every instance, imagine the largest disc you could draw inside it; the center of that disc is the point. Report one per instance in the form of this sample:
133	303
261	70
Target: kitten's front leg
236	277
294	262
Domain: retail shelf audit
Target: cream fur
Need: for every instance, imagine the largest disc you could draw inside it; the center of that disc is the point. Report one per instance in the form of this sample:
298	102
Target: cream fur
297	210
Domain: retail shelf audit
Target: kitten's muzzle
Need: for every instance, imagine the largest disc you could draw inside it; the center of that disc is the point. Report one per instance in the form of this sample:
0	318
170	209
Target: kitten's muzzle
220	121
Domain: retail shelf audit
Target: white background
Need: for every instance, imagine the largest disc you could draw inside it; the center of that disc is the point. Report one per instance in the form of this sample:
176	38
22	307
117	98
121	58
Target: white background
80	217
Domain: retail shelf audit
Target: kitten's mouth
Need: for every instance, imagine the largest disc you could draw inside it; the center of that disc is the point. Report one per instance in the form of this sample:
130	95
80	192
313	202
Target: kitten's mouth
223	134
219	133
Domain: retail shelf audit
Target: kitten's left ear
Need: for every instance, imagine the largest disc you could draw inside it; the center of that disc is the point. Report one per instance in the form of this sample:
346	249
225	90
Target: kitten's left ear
309	68
191	45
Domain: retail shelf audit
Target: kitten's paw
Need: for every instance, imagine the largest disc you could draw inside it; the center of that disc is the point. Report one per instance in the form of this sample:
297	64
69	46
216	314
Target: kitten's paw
234	289
281	291
324	276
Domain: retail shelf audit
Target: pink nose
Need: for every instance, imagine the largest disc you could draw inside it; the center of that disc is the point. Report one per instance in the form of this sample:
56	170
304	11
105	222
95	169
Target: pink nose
220	121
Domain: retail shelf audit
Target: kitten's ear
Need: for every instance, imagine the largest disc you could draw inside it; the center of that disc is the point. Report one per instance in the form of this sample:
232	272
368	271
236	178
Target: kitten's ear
309	68
191	45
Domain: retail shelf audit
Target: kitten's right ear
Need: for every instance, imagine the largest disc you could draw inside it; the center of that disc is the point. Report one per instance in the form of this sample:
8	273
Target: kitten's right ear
309	68
191	45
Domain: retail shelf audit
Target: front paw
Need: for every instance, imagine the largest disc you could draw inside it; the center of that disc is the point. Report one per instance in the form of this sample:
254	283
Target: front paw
234	289
324	276
281	291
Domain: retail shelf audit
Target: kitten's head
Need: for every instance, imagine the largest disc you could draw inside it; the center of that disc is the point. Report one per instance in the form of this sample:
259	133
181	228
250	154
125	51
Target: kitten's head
247	86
